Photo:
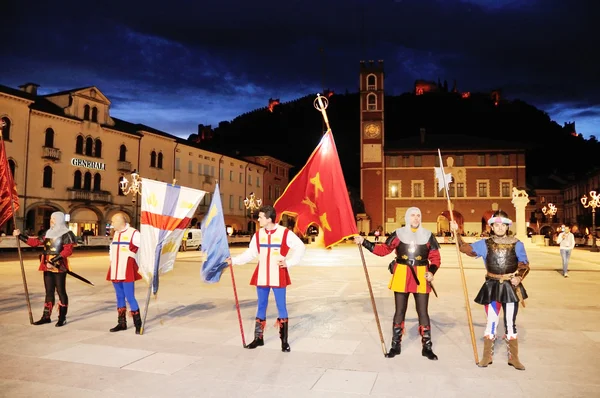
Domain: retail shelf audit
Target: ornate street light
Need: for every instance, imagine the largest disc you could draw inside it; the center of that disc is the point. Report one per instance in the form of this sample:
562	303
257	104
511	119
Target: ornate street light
549	211
593	202
134	188
252	204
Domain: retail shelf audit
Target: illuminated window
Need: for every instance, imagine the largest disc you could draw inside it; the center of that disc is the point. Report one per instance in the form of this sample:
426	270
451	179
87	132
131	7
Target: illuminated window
371	82
460	190
371	102
394	189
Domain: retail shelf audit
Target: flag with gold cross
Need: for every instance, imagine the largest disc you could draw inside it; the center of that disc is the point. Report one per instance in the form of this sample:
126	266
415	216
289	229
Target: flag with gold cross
167	210
318	195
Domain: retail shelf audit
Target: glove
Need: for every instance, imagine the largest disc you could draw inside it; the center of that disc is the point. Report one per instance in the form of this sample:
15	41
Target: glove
23	238
392	266
55	261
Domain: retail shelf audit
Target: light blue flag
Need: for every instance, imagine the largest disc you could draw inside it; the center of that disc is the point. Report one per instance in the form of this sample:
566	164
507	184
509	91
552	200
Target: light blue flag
214	241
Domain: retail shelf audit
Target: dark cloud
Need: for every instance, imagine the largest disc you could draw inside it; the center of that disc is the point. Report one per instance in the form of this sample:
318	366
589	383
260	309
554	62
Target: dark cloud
204	62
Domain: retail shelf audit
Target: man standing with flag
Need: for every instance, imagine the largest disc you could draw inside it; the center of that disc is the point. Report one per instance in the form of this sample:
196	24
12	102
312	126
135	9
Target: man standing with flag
277	249
417	259
123	271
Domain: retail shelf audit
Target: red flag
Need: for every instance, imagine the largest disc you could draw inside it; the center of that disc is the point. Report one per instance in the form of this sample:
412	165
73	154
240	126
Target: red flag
7	187
318	195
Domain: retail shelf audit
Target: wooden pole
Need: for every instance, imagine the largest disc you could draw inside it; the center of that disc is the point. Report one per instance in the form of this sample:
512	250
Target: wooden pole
237	306
460	265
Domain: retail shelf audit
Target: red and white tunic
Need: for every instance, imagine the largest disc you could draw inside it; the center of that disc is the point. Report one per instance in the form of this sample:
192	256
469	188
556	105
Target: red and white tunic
123	262
271	246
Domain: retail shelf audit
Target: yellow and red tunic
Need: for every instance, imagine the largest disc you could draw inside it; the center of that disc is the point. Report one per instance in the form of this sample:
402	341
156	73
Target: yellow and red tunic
123	263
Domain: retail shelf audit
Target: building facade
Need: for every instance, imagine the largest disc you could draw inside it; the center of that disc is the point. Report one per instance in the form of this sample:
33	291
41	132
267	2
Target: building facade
399	173
67	153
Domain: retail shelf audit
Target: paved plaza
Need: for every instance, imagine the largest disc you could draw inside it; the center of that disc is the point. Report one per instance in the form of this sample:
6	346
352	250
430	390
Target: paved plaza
192	347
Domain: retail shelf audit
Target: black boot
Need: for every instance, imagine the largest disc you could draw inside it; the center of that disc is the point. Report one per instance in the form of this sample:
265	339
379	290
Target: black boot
397	332
121	320
259	329
137	321
62	315
425	332
46	314
283	333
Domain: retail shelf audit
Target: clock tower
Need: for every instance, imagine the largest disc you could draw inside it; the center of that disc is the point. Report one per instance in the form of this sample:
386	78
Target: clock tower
372	133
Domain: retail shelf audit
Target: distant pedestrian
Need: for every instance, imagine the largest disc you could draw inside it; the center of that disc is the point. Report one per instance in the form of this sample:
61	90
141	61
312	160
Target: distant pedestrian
566	240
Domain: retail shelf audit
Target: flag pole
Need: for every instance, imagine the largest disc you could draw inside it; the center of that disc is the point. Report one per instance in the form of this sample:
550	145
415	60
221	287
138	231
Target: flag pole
237	306
460	264
14	217
321	106
147	303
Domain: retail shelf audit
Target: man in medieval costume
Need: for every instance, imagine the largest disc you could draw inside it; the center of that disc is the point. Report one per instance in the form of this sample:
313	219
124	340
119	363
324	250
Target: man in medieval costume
417	260
507	265
277	249
58	244
123	271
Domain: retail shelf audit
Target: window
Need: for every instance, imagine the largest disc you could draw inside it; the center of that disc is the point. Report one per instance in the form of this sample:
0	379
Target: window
394	189
460	189
405	160
77	180
371	82
95	115
212	171
277	191
79	145
451	189
152	159
493	160
86	112
199	168
506	160
371	102
221	172
231	201
418	161
439	189
393	161
160	161
119	190
177	164
6	129
98	148
89	146
230	175
87	181
206	170
241	178
249	180
270	169
241	203
505	189
417	189
437	161
12	166
97	182
258	181
480	160
270	194
49	138
122	153
482	189
47	182
460	160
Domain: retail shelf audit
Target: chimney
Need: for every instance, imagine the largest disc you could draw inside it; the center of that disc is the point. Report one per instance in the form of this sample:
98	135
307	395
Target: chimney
30	88
422	132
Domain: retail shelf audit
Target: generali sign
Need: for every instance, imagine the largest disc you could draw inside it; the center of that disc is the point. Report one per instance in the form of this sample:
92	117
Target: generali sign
89	164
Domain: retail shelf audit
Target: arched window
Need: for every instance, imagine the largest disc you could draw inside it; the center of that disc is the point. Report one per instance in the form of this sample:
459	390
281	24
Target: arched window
98	148
123	153
77	180
371	82
12	166
160	161
86	112
49	138
47	183
89	146
119	185
153	159
95	115
97	182
372	102
87	181
79	145
6	129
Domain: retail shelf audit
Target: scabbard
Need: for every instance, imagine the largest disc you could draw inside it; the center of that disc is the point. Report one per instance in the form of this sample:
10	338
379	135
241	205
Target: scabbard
81	278
414	273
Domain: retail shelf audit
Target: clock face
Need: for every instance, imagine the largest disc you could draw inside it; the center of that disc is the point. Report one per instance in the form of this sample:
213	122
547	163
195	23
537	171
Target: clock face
372	130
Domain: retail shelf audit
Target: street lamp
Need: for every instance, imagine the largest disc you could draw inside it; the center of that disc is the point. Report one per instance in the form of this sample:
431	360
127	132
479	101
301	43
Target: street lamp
549	211
135	188
593	203
252	204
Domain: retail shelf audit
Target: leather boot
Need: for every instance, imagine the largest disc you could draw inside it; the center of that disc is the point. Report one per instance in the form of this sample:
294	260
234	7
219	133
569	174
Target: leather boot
46	314
62	315
283	333
397	332
488	352
513	354
121	320
425	332
259	329
137	321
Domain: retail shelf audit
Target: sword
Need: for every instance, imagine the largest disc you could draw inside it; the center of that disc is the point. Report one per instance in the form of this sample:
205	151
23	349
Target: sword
81	278
414	273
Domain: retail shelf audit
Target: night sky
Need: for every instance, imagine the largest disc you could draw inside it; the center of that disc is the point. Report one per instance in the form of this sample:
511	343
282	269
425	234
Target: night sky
174	64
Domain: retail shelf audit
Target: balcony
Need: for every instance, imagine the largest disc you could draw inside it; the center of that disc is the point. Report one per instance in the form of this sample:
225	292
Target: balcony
89	196
123	165
209	179
51	153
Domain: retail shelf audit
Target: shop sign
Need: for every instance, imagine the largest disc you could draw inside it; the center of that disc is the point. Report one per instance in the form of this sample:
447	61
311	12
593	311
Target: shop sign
89	164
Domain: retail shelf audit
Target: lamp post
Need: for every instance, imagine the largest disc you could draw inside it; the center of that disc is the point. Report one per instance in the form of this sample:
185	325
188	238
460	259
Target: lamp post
593	202
252	204
549	211
135	188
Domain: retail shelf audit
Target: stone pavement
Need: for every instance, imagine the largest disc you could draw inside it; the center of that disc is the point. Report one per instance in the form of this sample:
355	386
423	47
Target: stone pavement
192	345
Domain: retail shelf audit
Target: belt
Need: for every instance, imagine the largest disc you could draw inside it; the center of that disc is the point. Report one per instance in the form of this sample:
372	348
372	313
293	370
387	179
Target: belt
505	278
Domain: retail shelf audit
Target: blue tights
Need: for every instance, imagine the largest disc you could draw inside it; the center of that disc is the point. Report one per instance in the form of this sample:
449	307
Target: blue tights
263	299
126	290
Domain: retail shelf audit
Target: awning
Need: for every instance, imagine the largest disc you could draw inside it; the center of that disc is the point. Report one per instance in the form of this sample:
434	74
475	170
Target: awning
84	216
